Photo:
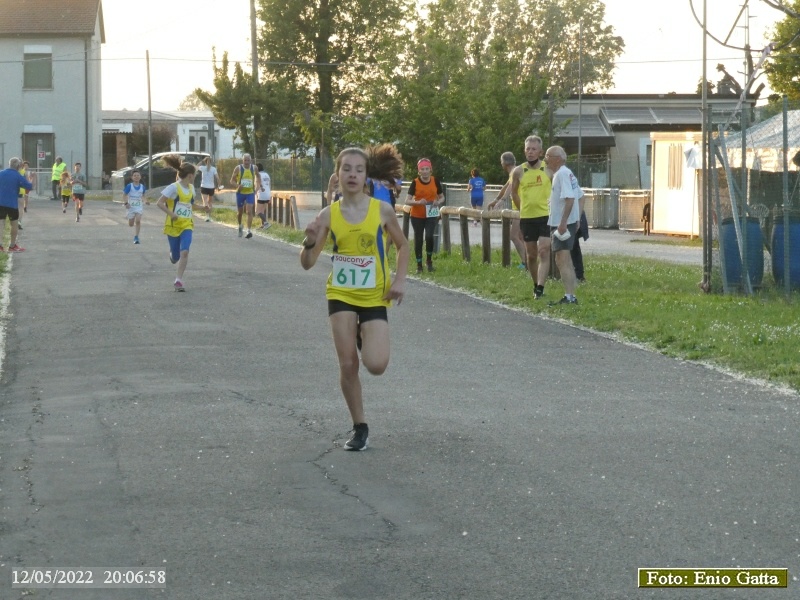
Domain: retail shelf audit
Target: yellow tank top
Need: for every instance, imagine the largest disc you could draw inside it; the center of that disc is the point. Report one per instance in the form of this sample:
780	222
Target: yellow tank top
66	187
22	191
246	178
534	193
182	206
360	275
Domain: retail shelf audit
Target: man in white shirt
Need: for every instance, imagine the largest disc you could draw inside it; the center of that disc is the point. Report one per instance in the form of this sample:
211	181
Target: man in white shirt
263	196
208	184
566	205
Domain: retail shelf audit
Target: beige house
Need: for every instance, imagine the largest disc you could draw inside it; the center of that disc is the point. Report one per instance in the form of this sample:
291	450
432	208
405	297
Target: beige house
50	73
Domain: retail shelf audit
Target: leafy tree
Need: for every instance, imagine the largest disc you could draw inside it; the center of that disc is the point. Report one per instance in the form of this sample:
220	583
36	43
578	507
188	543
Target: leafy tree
237	102
327	50
471	82
162	136
192	102
784	63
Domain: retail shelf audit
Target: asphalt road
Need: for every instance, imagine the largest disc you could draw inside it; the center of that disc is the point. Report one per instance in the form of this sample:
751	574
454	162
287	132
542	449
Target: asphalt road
510	456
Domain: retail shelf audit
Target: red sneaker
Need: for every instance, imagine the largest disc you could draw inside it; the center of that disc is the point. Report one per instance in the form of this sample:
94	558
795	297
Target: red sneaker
16	248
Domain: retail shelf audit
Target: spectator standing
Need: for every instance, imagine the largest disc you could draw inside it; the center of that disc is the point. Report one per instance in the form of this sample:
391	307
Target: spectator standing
425	196
475	187
245	178
209	182
360	288
566	205
58	168
264	196
509	163
530	189
10	183
576	253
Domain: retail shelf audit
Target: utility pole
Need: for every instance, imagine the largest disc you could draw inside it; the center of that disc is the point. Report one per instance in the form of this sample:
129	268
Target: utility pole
149	128
580	102
254	61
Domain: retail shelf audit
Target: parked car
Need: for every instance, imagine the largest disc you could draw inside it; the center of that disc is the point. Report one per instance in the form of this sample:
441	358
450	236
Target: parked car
162	174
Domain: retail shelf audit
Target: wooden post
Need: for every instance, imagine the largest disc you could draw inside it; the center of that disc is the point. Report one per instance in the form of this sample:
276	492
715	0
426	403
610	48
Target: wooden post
406	221
506	241
486	238
446	232
465	249
295	215
280	211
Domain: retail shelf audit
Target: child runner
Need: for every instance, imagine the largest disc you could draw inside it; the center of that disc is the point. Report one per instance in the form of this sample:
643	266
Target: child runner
208	184
78	189
66	193
264	196
475	188
22	197
176	201
359	287
133	195
425	196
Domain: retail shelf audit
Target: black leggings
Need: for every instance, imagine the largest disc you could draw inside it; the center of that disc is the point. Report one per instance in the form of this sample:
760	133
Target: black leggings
427	226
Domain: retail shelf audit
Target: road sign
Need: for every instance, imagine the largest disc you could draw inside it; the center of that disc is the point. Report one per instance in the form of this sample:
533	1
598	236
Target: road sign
40	156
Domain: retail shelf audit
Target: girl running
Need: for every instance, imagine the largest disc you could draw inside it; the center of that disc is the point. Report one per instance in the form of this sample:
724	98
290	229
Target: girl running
176	201
66	193
360	287
133	195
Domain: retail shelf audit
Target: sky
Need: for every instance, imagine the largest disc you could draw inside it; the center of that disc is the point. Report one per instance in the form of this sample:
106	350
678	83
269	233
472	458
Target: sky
663	46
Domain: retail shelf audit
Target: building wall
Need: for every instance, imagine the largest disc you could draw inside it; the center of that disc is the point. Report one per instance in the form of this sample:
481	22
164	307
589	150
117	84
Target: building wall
202	140
59	113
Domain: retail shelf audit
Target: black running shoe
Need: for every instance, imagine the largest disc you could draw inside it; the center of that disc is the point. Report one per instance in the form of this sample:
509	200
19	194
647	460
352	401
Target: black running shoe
359	439
430	267
419	268
538	292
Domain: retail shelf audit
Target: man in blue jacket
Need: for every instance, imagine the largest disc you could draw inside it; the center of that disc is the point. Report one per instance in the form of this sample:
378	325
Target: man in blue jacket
10	183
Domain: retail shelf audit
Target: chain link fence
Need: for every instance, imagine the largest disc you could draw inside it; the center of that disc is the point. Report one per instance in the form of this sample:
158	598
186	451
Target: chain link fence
756	200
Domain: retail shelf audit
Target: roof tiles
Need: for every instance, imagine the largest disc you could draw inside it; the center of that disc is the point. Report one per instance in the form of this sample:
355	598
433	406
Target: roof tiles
40	17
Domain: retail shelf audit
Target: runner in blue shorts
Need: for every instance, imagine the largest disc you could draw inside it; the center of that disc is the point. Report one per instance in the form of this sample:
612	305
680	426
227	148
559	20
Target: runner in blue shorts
246	179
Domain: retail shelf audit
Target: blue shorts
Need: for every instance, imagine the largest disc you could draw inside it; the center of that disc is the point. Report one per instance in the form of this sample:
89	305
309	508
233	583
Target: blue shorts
178	244
476	201
242	198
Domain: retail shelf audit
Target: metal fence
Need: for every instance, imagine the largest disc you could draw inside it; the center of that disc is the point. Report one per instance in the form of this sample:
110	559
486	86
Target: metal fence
755	194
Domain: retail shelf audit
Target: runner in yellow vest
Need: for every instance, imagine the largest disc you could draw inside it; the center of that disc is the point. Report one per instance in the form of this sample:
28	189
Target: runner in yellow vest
58	169
177	201
246	179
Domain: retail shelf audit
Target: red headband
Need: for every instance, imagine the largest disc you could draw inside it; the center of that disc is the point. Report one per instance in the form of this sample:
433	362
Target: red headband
424	163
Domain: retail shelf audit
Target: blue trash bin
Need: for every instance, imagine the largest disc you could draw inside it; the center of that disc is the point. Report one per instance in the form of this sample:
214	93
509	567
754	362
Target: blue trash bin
794	249
755	252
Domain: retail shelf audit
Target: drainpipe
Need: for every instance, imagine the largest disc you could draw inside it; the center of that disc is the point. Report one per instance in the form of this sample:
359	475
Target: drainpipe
86	46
